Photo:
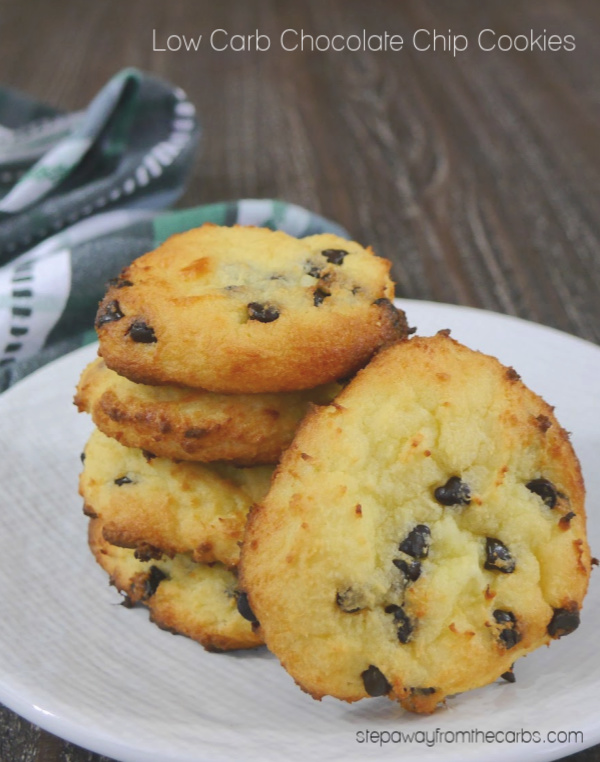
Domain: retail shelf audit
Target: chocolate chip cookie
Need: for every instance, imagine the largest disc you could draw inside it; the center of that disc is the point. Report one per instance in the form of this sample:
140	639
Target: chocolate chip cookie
422	533
191	424
185	597
248	310
155	506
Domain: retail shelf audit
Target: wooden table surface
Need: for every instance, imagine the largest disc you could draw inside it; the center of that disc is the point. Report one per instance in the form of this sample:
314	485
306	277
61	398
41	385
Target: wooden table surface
478	174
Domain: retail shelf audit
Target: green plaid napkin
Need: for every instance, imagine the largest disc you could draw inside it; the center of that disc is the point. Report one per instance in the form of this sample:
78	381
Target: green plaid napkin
78	200
131	148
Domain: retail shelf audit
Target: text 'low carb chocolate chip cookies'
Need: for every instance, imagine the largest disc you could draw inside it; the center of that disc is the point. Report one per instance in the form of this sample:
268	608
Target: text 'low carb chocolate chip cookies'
248	310
422	532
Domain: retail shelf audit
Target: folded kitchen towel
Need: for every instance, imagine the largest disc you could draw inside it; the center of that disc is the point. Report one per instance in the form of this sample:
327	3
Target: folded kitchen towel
49	294
132	148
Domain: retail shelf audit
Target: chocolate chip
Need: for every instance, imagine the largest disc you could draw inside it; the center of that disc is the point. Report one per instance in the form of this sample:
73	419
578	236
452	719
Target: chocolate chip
565	520
153	579
454	492
244	608
504	617
350	601
148	455
375	682
313	270
141	332
498	557
411	571
545	489
110	313
509	635
401	618
335	256
82	457
396	317
417	542
319	296
563	622
123	480
405	629
512	375
509	676
423	691
262	312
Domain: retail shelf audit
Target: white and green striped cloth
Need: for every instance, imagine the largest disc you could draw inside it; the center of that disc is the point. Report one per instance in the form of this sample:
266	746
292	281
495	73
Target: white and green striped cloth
79	195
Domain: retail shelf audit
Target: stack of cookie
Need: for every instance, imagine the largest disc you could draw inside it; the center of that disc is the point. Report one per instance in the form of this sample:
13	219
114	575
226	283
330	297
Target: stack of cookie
212	349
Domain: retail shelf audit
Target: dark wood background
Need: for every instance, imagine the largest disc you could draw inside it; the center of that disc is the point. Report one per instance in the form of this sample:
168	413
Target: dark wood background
479	176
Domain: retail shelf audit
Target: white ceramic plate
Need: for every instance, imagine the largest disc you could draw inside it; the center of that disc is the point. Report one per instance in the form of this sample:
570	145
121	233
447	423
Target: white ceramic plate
75	662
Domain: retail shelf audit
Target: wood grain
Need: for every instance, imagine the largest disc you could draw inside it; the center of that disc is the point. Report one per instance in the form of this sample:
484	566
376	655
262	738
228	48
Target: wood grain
478	176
